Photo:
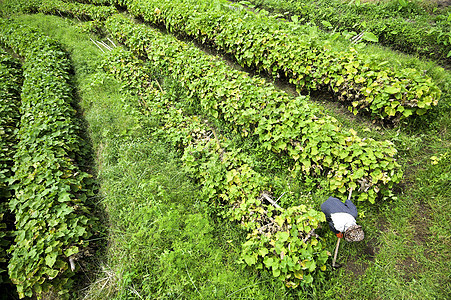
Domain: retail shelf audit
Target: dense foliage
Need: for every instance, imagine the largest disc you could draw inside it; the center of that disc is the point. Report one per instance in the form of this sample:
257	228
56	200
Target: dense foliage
57	7
95	2
150	236
10	86
300	52
282	240
322	153
50	189
404	25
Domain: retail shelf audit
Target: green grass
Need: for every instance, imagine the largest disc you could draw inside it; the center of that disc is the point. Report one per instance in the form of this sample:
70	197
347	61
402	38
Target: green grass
161	240
163	243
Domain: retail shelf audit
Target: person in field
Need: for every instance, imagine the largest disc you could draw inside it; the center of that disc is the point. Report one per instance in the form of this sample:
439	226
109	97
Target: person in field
342	219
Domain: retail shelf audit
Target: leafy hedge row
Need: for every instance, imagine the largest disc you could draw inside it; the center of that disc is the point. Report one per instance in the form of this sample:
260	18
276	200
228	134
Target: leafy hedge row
299	52
58	7
95	2
403	25
50	189
321	152
281	240
10	86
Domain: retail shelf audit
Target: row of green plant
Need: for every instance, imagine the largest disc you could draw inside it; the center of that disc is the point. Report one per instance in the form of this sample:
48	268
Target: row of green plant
302	53
164	241
57	7
401	24
281	240
150	236
10	86
95	2
397	90
321	153
50	190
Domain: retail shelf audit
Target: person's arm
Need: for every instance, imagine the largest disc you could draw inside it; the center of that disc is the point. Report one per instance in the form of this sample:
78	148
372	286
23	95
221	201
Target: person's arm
331	226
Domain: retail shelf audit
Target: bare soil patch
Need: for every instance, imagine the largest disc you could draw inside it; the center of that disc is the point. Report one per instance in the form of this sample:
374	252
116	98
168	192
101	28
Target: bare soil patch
410	268
357	265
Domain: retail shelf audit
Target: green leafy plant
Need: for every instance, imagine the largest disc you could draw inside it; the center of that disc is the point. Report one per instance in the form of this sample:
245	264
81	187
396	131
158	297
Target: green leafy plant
51	219
321	152
57	7
10	86
407	26
285	239
299	52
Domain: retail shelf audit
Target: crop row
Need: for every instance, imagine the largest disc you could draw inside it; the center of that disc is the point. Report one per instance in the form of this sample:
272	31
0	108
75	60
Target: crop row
301	53
95	2
321	151
402	25
58	7
50	190
10	86
298	52
281	240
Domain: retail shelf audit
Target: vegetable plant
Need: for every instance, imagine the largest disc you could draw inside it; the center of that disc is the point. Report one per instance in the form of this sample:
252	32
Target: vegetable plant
323	155
280	240
50	190
299	52
10	86
403	25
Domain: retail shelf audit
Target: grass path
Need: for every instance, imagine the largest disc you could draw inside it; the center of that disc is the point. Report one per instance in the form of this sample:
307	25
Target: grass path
161	240
162	243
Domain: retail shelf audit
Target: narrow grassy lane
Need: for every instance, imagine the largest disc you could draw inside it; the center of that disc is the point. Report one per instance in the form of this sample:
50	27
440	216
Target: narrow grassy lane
161	239
162	242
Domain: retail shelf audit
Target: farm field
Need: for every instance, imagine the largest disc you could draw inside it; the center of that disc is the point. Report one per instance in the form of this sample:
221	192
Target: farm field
416	27
141	141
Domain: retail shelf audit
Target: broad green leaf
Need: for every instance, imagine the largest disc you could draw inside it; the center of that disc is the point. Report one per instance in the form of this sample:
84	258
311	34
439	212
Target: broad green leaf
282	236
392	90
52	273
250	259
268	261
263	251
51	258
70	251
371	37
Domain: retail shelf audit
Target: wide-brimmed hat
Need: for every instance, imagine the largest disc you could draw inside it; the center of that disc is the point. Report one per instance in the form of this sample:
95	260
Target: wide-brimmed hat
354	233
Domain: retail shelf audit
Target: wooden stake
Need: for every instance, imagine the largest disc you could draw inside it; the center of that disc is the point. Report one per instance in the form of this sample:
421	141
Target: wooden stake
350	194
114	45
97	45
72	263
105	45
271	201
336	252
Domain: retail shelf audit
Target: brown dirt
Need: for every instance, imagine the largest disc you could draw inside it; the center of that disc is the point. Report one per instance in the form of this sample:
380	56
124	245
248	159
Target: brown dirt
421	223
356	269
382	225
442	3
409	267
358	265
